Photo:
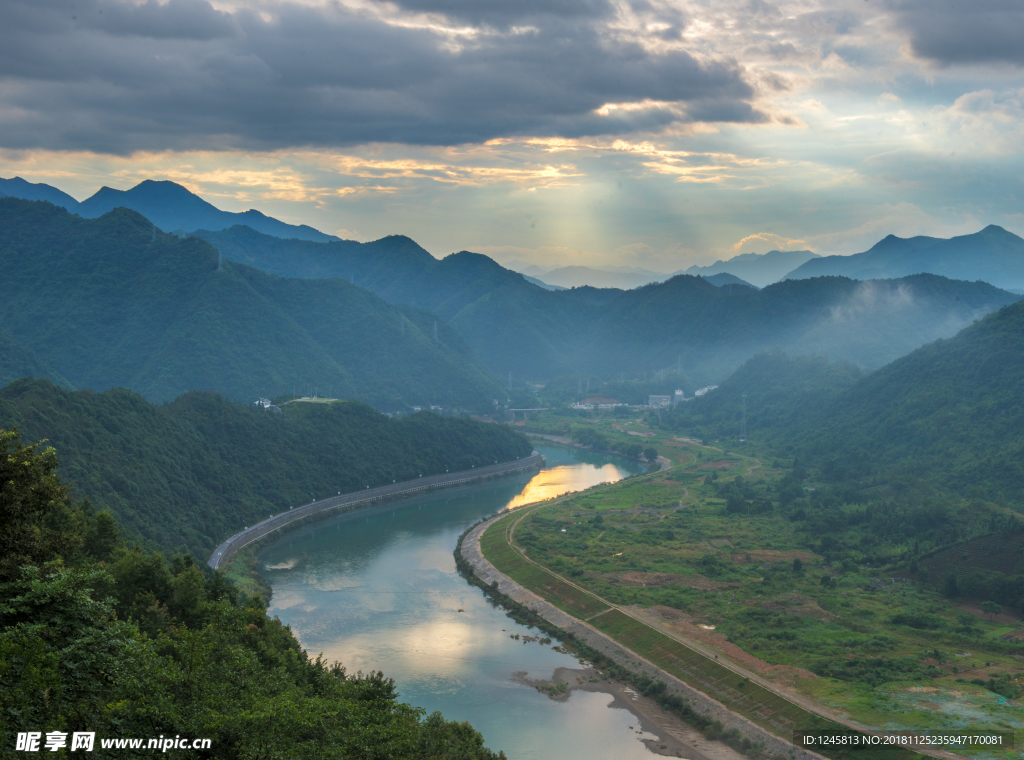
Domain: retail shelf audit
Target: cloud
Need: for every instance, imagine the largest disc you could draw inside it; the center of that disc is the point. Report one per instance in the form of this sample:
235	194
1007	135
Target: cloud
767	241
951	32
113	76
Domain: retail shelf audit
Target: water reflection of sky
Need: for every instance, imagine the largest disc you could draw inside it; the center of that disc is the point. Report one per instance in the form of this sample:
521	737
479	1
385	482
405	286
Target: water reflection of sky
378	590
556	481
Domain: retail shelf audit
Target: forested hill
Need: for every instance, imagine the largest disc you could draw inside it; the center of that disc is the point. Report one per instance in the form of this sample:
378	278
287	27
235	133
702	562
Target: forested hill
186	475
102	637
685	322
17	361
113	302
949	414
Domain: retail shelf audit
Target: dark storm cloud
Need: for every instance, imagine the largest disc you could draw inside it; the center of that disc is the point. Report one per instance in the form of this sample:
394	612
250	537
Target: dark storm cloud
112	76
956	31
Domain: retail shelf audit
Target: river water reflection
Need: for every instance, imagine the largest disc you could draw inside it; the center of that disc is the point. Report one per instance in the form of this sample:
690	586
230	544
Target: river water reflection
378	590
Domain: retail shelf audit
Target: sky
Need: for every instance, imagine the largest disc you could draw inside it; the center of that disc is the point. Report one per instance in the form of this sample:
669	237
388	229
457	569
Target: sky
641	133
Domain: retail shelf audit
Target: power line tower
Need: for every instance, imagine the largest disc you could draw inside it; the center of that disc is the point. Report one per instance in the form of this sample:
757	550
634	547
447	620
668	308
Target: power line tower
743	420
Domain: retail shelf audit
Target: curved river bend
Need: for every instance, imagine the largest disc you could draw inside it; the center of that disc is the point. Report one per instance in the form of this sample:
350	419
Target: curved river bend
377	589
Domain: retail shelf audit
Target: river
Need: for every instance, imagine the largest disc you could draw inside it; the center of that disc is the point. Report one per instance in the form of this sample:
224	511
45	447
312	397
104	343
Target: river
377	589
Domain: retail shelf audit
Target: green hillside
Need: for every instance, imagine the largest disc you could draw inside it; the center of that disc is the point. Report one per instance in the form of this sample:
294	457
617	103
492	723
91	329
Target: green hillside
99	637
686	323
17	361
947	414
185	475
113	302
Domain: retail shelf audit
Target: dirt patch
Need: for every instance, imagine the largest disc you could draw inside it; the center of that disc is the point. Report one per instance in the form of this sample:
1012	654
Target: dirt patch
719	465
657	580
642	435
761	556
1008	616
784	675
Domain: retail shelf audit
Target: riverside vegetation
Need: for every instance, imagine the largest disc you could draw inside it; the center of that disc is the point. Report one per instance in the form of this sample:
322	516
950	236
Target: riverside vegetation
863	548
184	476
714	549
101	636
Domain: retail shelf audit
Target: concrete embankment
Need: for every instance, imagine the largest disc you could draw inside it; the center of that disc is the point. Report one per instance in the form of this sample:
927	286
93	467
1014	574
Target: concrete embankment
346	502
613	650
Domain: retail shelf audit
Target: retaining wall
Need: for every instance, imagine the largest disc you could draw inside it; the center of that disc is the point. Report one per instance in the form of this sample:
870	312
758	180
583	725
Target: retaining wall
346	502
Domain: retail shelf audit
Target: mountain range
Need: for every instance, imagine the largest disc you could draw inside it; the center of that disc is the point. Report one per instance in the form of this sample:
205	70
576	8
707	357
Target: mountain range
744	269
759	269
512	325
993	255
112	302
168	205
686	322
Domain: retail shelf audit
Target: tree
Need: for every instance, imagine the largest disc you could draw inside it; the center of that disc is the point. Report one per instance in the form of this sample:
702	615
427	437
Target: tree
798	566
991	609
39	523
650	454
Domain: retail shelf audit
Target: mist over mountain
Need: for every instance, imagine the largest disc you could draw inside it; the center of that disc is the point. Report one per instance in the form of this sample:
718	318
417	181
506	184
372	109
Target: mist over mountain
993	255
759	269
947	413
112	302
685	323
168	205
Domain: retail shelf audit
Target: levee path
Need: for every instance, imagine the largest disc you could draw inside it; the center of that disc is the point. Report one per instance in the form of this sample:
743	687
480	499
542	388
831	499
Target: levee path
768	714
346	502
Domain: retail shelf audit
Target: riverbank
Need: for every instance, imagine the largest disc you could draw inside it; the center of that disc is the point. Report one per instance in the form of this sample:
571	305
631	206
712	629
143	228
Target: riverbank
561	440
316	510
674	737
701	704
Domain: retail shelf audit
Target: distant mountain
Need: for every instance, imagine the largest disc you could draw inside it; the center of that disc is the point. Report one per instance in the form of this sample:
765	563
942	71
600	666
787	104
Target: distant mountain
759	269
541	283
112	302
172	207
992	255
575	276
687	322
16	187
168	205
724	278
16	362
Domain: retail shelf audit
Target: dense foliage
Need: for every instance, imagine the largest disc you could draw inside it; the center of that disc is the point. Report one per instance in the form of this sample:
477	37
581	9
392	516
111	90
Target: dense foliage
99	637
188	474
686	322
113	302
